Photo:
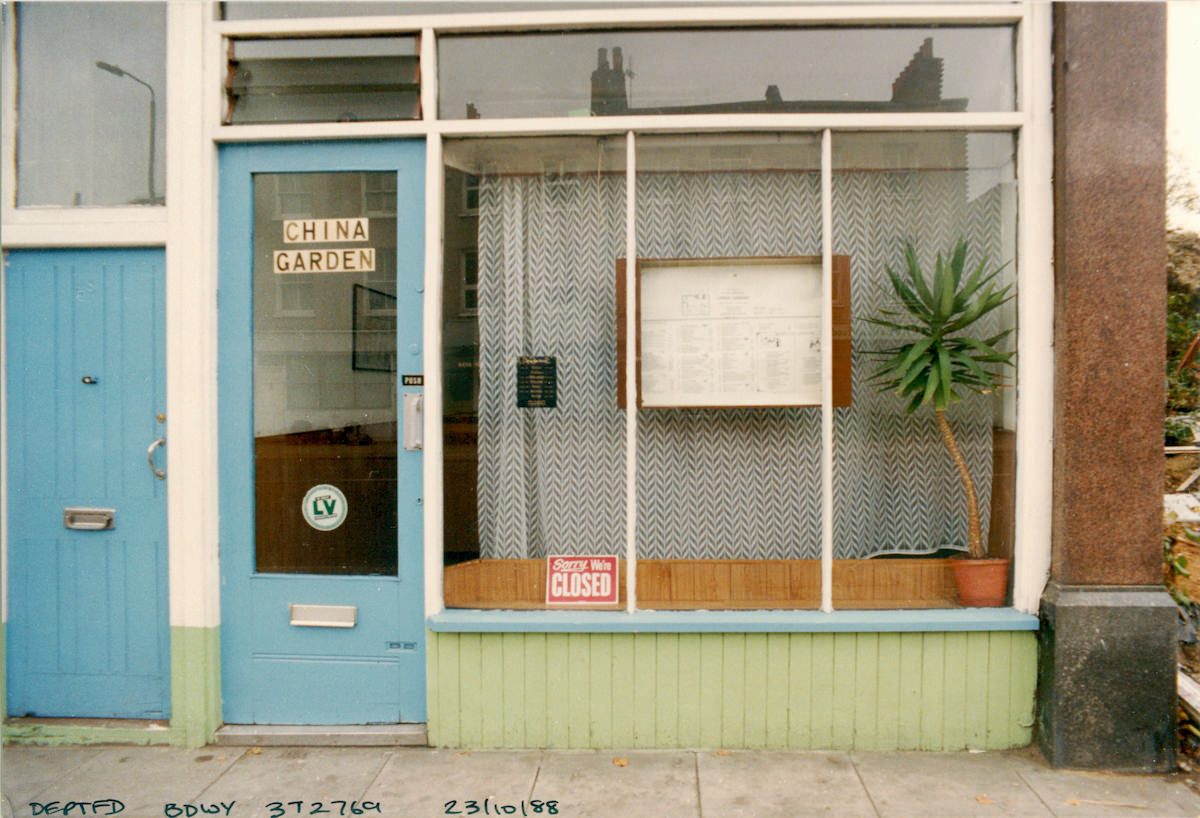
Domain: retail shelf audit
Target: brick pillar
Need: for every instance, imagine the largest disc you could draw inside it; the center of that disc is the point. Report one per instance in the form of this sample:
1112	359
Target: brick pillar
1107	692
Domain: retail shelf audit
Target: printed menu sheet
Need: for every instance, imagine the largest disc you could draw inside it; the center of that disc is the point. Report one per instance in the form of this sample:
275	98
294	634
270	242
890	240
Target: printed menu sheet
731	333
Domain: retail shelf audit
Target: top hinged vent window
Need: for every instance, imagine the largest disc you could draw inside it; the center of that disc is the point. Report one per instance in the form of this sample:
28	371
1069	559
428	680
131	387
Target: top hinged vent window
329	79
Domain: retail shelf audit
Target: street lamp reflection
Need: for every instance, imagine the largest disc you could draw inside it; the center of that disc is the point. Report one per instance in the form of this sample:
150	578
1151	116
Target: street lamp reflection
117	71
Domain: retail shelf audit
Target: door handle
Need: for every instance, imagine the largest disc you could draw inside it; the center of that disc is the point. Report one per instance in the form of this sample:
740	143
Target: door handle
89	519
161	441
414	433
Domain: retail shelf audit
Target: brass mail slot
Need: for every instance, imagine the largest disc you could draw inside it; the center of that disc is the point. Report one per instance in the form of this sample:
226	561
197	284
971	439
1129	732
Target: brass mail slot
89	519
323	616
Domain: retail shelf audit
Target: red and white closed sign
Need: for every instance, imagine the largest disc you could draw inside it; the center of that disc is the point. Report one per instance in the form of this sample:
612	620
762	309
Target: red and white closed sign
581	580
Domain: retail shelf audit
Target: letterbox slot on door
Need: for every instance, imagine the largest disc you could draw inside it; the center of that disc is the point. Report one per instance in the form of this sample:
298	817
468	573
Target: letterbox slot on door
89	519
323	616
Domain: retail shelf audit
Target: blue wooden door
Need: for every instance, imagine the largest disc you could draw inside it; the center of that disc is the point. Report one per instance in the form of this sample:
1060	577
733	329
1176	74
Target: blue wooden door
88	623
321	529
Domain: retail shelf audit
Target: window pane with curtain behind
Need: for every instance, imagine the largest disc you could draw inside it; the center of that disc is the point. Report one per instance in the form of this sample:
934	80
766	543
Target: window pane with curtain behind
728	463
900	508
90	103
533	231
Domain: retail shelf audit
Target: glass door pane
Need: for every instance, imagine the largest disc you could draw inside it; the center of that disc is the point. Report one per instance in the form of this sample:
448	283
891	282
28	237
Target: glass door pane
325	372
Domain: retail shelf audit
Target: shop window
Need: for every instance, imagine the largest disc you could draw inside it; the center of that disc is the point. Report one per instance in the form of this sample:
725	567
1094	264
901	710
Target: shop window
529	478
91	89
728	498
802	70
315	79
727	480
899	502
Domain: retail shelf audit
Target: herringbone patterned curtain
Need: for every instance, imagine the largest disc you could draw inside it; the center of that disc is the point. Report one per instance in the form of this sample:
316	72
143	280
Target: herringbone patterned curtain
729	483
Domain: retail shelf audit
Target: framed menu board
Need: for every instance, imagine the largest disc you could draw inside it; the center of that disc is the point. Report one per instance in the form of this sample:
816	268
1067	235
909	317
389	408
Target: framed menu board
734	332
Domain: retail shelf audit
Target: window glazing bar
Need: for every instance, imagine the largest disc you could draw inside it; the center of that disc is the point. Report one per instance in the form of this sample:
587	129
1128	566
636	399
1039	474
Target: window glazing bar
732	15
827	371
631	410
689	123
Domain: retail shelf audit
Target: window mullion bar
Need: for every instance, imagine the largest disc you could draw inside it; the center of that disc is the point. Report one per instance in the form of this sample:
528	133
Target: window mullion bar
427	74
432	463
630	372
827	371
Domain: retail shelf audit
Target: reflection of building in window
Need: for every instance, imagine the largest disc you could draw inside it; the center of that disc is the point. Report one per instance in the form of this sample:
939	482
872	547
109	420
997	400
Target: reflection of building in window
470	280
293	194
470	193
917	88
379	194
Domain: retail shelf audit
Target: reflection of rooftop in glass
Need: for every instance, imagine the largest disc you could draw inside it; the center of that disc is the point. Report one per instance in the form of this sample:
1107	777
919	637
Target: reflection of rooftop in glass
917	88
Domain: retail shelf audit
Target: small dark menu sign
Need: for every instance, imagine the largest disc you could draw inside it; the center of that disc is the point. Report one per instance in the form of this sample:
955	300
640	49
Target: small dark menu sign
537	383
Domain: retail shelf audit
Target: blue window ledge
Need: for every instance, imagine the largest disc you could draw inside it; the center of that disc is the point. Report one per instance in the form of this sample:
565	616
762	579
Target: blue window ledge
952	619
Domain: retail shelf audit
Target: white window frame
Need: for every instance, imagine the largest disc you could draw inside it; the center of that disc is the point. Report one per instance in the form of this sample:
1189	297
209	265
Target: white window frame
196	38
62	226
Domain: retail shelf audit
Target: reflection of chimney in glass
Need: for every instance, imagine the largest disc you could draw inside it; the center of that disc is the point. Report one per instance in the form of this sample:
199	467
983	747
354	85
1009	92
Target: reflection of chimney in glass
920	83
608	84
917	88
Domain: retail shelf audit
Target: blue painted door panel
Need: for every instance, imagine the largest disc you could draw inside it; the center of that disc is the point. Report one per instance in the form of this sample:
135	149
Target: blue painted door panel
272	671
88	623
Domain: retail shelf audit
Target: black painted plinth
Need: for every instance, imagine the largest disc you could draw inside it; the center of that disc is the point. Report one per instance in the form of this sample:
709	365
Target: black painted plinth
1107	658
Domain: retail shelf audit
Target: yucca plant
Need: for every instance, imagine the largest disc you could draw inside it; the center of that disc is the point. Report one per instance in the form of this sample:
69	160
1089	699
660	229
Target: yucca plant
944	359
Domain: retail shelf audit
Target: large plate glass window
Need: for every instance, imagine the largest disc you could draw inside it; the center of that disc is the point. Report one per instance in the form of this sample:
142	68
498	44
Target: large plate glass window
91	103
900	508
799	70
534	440
325	372
728	471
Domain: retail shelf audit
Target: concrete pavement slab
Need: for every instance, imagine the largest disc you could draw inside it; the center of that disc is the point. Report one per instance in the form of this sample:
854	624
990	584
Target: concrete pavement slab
30	770
144	779
421	782
947	785
588	784
269	775
781	784
1111	795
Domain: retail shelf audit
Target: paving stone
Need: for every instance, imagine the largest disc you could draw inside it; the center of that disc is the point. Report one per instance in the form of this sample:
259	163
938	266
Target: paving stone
266	775
588	783
1099	794
144	779
781	784
947	785
29	770
420	782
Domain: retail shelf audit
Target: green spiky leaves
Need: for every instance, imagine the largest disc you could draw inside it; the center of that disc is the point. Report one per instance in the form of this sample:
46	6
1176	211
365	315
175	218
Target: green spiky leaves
943	359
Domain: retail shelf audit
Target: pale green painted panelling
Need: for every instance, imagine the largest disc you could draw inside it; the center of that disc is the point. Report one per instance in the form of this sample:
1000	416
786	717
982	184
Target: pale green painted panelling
195	685
928	691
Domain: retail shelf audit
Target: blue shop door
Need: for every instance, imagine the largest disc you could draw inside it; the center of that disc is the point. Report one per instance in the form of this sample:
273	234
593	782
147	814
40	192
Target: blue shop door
321	528
88	624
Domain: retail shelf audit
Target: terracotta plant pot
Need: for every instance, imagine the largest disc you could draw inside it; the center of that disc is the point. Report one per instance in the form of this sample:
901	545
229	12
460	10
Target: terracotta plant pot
981	583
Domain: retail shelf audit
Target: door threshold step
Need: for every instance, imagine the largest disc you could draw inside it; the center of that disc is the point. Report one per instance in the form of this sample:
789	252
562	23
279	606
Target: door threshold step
103	723
322	735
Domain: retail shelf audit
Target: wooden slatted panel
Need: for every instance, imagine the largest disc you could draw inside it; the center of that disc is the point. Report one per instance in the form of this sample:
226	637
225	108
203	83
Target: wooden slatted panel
928	691
733	584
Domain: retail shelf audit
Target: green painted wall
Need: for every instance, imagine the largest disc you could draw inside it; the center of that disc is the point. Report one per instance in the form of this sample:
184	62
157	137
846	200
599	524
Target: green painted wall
195	685
195	702
880	691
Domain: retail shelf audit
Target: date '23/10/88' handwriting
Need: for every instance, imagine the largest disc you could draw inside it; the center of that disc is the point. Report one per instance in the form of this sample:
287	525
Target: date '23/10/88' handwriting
489	807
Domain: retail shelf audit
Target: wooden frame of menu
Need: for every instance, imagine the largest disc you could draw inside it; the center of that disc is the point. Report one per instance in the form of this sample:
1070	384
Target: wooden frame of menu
734	332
